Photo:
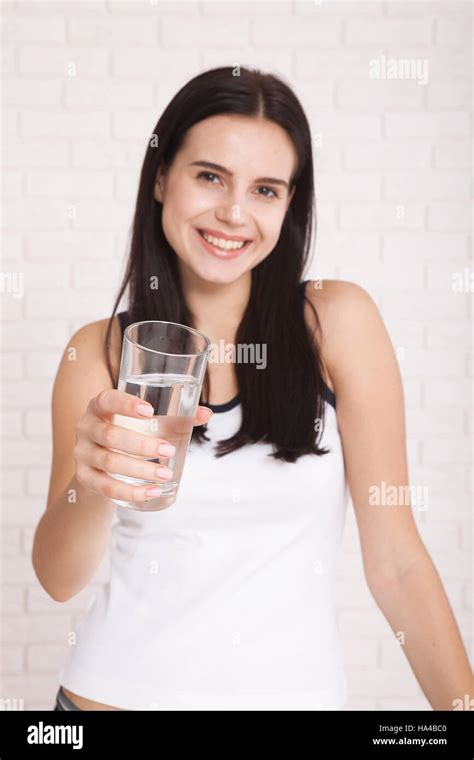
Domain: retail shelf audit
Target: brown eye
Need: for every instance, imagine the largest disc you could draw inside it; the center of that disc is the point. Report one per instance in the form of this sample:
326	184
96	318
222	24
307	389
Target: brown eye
274	194
207	177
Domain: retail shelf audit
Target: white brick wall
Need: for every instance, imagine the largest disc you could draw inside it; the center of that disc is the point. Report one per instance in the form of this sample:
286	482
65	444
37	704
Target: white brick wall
84	83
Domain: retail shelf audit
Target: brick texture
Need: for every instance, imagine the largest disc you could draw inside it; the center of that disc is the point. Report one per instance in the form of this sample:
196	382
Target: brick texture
83	85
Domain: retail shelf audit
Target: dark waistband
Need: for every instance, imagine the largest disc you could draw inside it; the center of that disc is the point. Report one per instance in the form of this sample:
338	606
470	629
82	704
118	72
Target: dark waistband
64	703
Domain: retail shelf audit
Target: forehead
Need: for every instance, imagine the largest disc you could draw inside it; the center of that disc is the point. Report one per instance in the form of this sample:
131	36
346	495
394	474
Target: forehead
241	143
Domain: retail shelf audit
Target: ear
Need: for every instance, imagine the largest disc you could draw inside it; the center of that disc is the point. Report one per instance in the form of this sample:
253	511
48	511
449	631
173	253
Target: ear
160	185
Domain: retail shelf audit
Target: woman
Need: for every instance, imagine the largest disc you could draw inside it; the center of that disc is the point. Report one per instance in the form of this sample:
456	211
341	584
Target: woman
225	599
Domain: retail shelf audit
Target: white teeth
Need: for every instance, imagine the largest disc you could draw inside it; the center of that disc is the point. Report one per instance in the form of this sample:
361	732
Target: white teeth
226	245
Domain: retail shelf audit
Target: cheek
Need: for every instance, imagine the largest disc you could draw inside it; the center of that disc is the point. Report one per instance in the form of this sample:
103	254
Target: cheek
270	225
183	204
179	207
184	201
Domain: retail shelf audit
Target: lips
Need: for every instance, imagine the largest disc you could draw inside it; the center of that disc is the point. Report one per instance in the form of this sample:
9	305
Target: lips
223	235
222	245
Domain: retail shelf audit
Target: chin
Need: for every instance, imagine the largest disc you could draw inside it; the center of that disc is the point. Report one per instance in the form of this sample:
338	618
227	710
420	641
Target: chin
216	275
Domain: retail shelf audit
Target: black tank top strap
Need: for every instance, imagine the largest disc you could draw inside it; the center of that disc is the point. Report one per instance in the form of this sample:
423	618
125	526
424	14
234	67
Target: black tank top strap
123	320
328	394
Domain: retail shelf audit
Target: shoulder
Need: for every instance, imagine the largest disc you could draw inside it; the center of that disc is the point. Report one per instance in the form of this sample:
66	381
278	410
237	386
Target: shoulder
337	300
351	329
91	336
85	349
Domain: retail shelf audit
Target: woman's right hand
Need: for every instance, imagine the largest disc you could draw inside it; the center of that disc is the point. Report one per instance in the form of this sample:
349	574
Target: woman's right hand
97	437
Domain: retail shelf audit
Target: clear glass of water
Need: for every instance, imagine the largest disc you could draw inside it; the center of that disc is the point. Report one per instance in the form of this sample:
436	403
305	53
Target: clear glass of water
163	363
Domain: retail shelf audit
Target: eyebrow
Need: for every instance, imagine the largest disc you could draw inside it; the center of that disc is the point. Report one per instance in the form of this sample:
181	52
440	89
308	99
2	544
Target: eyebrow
219	168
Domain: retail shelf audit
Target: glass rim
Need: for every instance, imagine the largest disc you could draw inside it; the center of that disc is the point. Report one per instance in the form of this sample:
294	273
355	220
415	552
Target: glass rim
166	353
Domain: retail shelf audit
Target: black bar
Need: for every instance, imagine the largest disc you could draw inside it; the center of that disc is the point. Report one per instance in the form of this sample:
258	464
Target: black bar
322	734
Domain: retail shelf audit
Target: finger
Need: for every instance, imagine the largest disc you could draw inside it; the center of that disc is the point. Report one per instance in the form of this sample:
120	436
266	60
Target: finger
105	484
110	462
203	415
123	439
112	401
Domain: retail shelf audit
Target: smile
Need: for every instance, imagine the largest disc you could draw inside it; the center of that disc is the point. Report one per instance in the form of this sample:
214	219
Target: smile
226	247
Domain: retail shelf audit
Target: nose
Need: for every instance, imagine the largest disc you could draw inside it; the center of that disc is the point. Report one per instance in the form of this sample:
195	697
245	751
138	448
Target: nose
232	211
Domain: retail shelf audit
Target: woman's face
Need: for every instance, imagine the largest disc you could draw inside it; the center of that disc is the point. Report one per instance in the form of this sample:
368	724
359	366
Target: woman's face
225	195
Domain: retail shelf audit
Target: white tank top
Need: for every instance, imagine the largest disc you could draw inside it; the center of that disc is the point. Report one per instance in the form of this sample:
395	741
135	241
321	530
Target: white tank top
224	600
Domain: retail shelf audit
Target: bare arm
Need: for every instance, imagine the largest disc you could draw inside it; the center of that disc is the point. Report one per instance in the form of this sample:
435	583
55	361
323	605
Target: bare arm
72	535
399	571
417	605
71	539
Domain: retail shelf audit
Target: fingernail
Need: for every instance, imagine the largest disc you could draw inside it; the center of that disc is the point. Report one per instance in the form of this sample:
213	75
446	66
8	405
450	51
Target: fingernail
153	492
166	449
145	409
164	472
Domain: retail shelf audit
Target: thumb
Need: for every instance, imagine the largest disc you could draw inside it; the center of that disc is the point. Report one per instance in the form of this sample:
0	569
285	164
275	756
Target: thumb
203	415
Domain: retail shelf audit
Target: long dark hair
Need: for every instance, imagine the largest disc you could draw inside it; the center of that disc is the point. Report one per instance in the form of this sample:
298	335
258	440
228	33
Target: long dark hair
281	404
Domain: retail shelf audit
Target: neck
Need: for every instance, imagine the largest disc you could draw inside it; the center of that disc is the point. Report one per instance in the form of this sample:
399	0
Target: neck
217	308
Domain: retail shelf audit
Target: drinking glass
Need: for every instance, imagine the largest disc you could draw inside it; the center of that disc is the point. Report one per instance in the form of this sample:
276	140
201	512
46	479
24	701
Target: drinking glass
163	363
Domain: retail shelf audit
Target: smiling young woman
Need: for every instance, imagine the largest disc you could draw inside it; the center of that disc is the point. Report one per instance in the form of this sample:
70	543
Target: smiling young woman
238	612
